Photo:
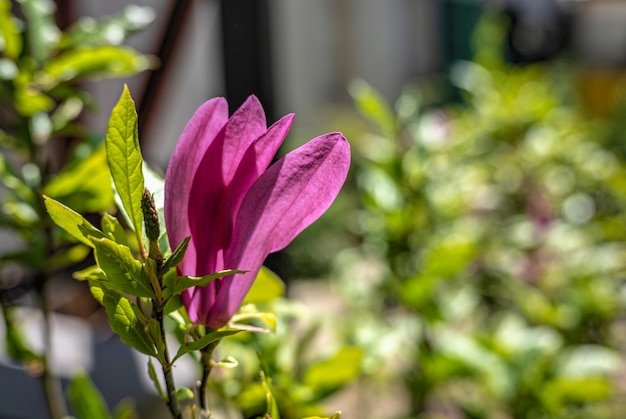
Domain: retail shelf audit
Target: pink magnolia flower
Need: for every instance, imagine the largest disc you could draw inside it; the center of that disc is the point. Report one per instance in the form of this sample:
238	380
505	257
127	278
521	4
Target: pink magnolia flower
220	191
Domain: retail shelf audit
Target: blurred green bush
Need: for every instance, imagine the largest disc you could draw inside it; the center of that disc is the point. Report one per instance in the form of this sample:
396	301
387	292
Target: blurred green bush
489	273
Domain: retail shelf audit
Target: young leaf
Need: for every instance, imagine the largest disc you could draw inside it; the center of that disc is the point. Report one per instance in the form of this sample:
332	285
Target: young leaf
182	283
332	373
272	407
177	255
85	398
72	222
184	393
84	185
98	61
204	341
9	32
122	318
155	380
92	273
112	228
122	270
266	287
124	158
42	33
154	331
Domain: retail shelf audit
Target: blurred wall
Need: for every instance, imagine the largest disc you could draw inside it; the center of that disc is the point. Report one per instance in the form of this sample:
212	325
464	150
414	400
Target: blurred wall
317	48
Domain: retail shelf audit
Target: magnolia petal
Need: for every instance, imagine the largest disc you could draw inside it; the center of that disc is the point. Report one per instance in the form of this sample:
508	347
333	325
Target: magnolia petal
207	212
286	199
253	164
196	138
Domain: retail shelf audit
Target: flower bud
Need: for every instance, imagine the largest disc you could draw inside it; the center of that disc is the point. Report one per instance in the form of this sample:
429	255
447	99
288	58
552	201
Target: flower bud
150	216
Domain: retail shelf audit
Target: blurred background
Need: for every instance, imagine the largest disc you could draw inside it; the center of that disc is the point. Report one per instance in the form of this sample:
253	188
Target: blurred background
476	255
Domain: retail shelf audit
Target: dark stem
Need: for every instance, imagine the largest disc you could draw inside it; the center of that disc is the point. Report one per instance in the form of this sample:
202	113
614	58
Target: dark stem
207	365
172	399
53	390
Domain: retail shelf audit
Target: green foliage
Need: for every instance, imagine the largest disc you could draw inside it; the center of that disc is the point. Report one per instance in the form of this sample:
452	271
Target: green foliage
85	399
124	159
488	277
87	402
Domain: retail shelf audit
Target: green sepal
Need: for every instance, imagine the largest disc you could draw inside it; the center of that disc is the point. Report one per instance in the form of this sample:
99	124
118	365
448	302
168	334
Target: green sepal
181	283
122	270
122	315
205	340
85	399
72	222
124	159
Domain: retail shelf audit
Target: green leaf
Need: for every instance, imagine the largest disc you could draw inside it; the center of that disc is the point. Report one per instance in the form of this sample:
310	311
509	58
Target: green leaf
68	257
205	341
122	270
113	229
15	343
72	222
95	62
249	312
228	362
124	158
336	415
85	185
266	287
183	393
92	273
177	255
154	331
11	39
42	33
85	398
272	407
155	379
125	410
122	318
182	283
110	30
372	106
333	373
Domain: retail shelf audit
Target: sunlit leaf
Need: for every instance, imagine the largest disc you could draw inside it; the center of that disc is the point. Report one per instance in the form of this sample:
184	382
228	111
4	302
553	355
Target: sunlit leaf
333	373
121	269
11	39
95	62
72	222
266	287
124	158
86	185
122	318
85	398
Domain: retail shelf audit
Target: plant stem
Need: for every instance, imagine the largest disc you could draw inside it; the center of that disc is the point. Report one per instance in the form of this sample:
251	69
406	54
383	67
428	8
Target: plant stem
55	401
206	355
172	399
